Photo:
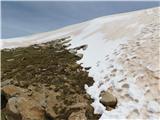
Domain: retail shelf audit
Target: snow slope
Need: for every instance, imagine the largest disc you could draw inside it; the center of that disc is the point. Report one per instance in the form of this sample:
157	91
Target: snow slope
123	53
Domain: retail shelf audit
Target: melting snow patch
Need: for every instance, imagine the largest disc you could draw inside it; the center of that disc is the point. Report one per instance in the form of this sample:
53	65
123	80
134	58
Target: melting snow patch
153	106
135	92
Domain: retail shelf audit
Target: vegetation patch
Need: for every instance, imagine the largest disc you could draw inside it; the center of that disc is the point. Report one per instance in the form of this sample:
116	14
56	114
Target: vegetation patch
52	67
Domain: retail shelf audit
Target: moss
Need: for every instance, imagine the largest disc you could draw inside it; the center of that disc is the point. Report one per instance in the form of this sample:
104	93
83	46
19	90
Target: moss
3	116
47	63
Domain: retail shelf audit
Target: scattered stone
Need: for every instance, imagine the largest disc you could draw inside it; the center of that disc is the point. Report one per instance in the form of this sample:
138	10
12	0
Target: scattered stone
6	82
79	55
29	66
108	99
87	68
23	83
15	82
125	85
29	93
83	47
51	87
9	60
31	87
73	51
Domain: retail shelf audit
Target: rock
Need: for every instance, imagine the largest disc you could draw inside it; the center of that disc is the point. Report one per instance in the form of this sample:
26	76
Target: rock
31	87
6	82
51	87
108	99
27	108
79	105
73	51
79	55
80	115
15	82
23	83
30	93
83	47
12	105
29	66
11	91
87	68
30	109
51	102
9	60
74	66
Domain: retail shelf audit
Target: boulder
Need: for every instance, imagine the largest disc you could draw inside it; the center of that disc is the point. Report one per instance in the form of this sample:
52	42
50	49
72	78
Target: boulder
108	99
24	107
30	109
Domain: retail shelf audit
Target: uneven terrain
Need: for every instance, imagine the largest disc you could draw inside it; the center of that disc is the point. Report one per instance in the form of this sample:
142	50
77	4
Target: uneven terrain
122	57
44	82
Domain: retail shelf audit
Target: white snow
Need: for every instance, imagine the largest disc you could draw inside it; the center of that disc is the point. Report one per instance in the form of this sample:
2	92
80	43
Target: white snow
135	92
153	106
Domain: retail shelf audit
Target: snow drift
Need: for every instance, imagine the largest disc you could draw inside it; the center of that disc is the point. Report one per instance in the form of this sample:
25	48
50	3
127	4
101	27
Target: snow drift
123	53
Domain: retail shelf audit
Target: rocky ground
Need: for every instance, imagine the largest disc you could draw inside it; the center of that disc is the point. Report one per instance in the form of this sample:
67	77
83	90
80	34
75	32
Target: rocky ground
44	82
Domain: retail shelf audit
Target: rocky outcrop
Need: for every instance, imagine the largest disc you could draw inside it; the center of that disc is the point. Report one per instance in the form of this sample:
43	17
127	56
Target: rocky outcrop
44	82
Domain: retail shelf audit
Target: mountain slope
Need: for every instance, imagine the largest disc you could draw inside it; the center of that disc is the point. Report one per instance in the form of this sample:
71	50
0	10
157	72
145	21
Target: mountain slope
123	53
